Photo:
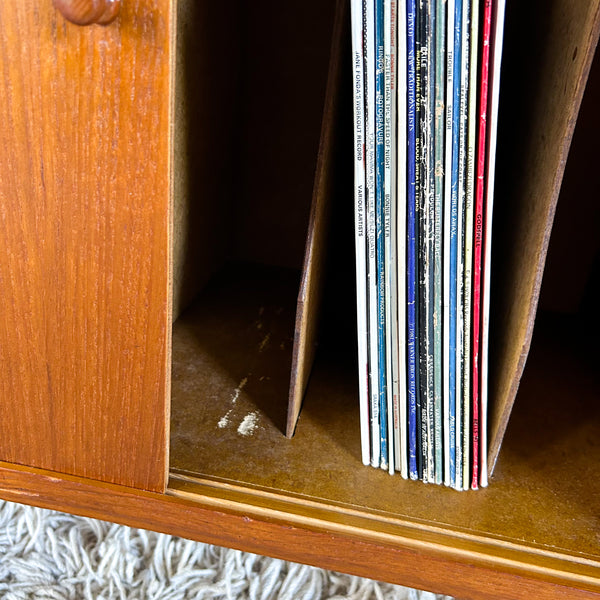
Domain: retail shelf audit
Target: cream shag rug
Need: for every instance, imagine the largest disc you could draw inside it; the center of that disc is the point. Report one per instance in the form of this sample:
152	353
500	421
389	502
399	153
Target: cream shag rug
54	556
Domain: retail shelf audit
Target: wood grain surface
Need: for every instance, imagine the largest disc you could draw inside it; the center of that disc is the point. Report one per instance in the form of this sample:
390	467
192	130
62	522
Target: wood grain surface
84	232
85	336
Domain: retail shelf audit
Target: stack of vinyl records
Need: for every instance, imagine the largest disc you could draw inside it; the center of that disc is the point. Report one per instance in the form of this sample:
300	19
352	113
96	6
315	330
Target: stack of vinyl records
426	86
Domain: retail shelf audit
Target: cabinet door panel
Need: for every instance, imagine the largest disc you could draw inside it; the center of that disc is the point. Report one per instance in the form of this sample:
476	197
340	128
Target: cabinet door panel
84	241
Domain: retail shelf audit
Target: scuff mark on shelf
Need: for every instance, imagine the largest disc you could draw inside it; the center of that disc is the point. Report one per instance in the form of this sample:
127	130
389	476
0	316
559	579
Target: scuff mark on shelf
249	424
239	388
224	420
264	342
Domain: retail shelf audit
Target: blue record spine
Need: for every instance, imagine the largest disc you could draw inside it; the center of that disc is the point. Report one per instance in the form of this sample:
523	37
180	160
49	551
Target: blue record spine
380	226
449	377
411	247
421	375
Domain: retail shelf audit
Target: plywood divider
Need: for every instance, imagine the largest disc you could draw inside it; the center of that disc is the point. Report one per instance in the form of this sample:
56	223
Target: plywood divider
313	270
548	54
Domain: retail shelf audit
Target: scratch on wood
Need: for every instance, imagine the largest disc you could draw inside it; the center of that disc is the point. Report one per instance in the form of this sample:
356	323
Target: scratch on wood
25	493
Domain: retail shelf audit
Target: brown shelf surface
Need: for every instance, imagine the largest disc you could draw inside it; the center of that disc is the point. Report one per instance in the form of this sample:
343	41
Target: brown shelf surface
230	381
532	534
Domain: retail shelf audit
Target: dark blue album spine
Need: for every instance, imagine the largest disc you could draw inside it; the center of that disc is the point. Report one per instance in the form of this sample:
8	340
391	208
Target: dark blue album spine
411	246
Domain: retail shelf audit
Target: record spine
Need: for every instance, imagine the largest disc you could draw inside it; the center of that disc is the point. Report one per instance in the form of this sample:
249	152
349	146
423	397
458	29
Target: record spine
369	70
401	199
430	238
423	243
479	218
390	236
462	352
438	173
360	225
449	317
494	92
470	199
411	244
380	227
455	405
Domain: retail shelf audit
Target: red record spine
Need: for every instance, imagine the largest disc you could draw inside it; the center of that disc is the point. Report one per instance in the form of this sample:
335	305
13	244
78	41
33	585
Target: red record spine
479	233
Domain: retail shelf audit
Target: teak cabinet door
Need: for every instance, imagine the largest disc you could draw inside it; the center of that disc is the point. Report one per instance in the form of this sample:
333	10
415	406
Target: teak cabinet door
84	241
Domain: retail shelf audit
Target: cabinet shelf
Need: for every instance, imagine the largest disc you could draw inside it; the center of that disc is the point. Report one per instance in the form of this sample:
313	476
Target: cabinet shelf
544	478
533	532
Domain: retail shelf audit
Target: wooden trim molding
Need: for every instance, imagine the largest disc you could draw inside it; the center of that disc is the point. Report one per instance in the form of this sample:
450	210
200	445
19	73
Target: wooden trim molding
328	538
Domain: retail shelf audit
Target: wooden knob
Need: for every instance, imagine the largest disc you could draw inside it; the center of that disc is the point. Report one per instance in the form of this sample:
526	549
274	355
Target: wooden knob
88	12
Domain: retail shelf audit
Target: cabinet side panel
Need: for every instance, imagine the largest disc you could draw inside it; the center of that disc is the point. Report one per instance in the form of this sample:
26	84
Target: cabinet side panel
84	227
